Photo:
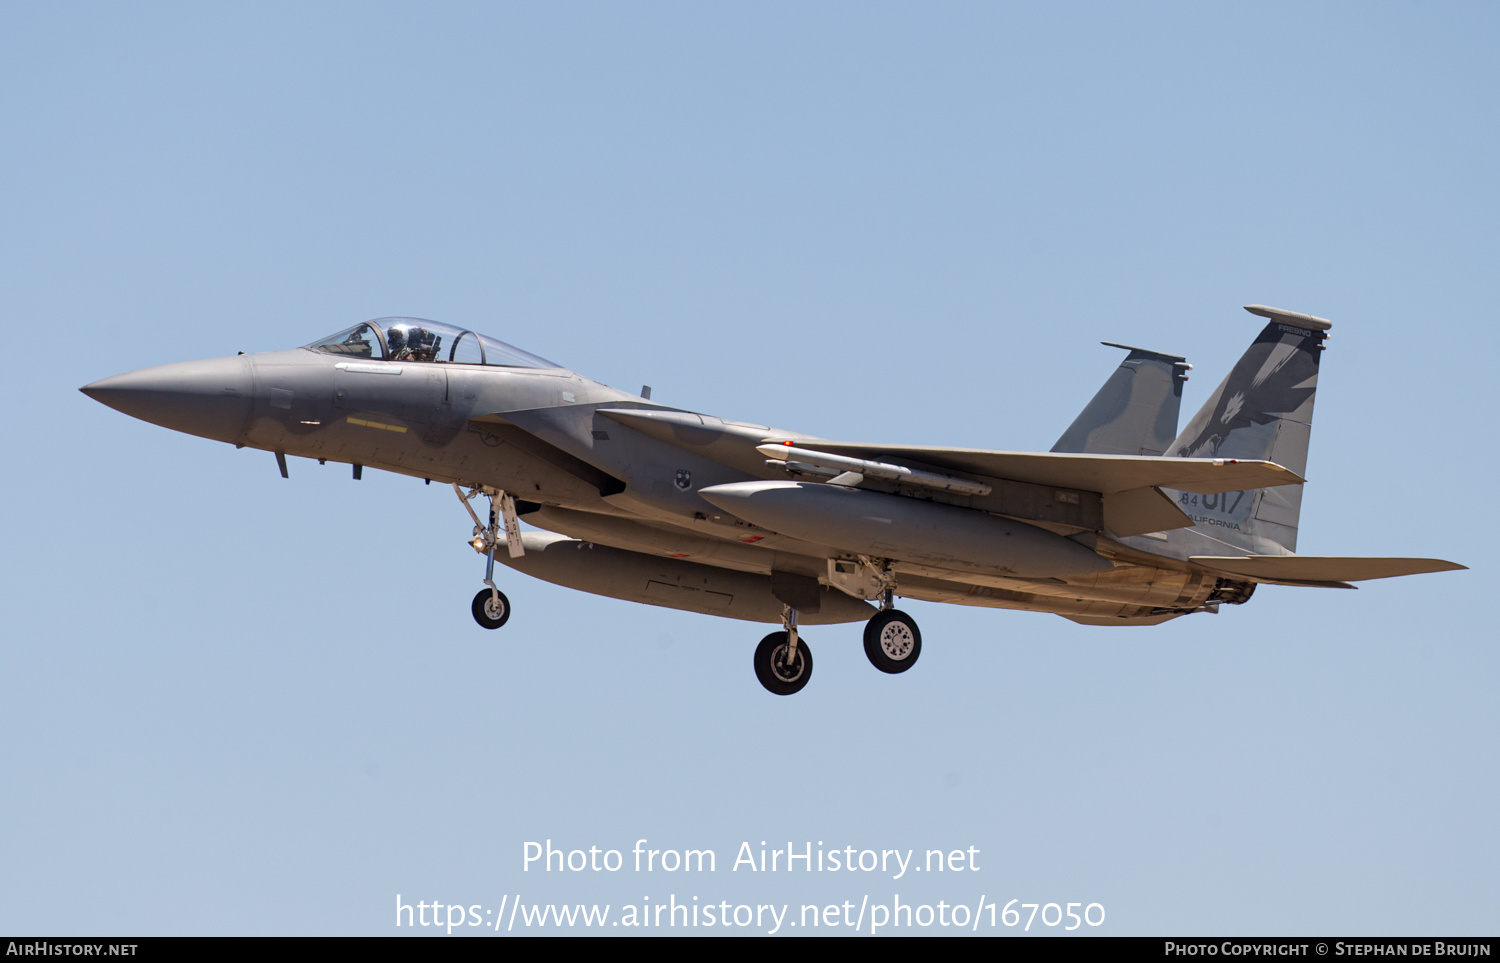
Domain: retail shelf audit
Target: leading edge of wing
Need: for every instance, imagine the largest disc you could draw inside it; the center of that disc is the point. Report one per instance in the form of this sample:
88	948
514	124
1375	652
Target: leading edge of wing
1312	569
1095	473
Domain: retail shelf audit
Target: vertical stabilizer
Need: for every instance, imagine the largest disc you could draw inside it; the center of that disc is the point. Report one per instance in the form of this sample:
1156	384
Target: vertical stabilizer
1135	412
1263	409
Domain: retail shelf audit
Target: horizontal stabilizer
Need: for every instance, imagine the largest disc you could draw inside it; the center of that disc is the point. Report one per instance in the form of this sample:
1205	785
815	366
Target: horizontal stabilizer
1093	473
1321	568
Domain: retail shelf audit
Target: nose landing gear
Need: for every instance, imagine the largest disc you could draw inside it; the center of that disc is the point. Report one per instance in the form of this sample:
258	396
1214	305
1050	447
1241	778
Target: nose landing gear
491	608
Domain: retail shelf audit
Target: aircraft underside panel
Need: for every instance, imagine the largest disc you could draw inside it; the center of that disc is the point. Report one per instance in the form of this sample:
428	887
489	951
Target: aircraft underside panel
691	586
1125	583
956	593
1120	620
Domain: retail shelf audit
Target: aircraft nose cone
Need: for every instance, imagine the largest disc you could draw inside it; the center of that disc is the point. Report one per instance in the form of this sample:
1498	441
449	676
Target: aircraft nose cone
210	398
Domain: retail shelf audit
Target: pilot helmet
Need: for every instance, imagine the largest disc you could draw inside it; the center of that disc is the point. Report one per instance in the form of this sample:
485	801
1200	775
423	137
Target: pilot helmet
395	339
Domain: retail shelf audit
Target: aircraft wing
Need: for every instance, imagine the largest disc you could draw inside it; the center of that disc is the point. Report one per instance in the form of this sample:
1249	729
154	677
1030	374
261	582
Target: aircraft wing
1095	473
1321	568
1130	484
1105	474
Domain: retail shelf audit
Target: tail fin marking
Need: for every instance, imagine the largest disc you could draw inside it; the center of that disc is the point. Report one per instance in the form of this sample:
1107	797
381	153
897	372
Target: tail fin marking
1262	410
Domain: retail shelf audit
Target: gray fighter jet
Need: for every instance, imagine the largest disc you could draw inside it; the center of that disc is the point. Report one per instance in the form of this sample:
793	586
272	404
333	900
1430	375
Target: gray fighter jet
1125	522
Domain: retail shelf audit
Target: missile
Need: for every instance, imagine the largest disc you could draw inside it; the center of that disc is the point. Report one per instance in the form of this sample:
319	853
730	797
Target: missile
875	469
905	529
670	582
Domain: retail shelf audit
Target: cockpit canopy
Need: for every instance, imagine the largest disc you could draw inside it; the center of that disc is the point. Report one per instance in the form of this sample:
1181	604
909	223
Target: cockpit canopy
416	340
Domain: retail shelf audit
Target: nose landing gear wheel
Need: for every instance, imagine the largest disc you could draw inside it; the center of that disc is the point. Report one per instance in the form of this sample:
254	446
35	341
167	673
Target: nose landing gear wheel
778	674
892	641
491	609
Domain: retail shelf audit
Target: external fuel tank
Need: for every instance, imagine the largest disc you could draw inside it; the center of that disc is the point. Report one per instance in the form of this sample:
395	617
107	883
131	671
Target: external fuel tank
906	529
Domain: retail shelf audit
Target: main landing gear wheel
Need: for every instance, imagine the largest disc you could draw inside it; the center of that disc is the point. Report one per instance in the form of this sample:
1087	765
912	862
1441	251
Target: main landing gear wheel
778	674
892	641
491	609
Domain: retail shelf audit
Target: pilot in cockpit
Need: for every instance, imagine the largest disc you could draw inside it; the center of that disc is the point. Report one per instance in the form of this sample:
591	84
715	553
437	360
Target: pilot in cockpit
395	339
412	344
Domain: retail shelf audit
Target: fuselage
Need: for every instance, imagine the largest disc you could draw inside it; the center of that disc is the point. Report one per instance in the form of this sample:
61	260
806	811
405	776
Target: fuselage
1120	524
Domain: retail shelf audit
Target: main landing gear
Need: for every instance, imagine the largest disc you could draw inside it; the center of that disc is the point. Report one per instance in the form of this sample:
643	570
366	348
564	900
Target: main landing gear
892	641
783	662
491	608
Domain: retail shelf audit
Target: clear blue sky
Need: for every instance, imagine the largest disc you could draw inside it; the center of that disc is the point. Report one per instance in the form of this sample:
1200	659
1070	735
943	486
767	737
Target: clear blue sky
237	704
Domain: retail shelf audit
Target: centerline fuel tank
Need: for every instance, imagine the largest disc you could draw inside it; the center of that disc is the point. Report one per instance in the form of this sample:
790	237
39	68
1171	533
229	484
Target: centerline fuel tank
905	529
670	582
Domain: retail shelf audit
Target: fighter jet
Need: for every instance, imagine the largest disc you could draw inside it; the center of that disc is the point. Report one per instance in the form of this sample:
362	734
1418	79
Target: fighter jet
1125	522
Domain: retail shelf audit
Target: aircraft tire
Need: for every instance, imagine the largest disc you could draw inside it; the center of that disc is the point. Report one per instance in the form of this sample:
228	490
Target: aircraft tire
483	610
892	641
771	668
